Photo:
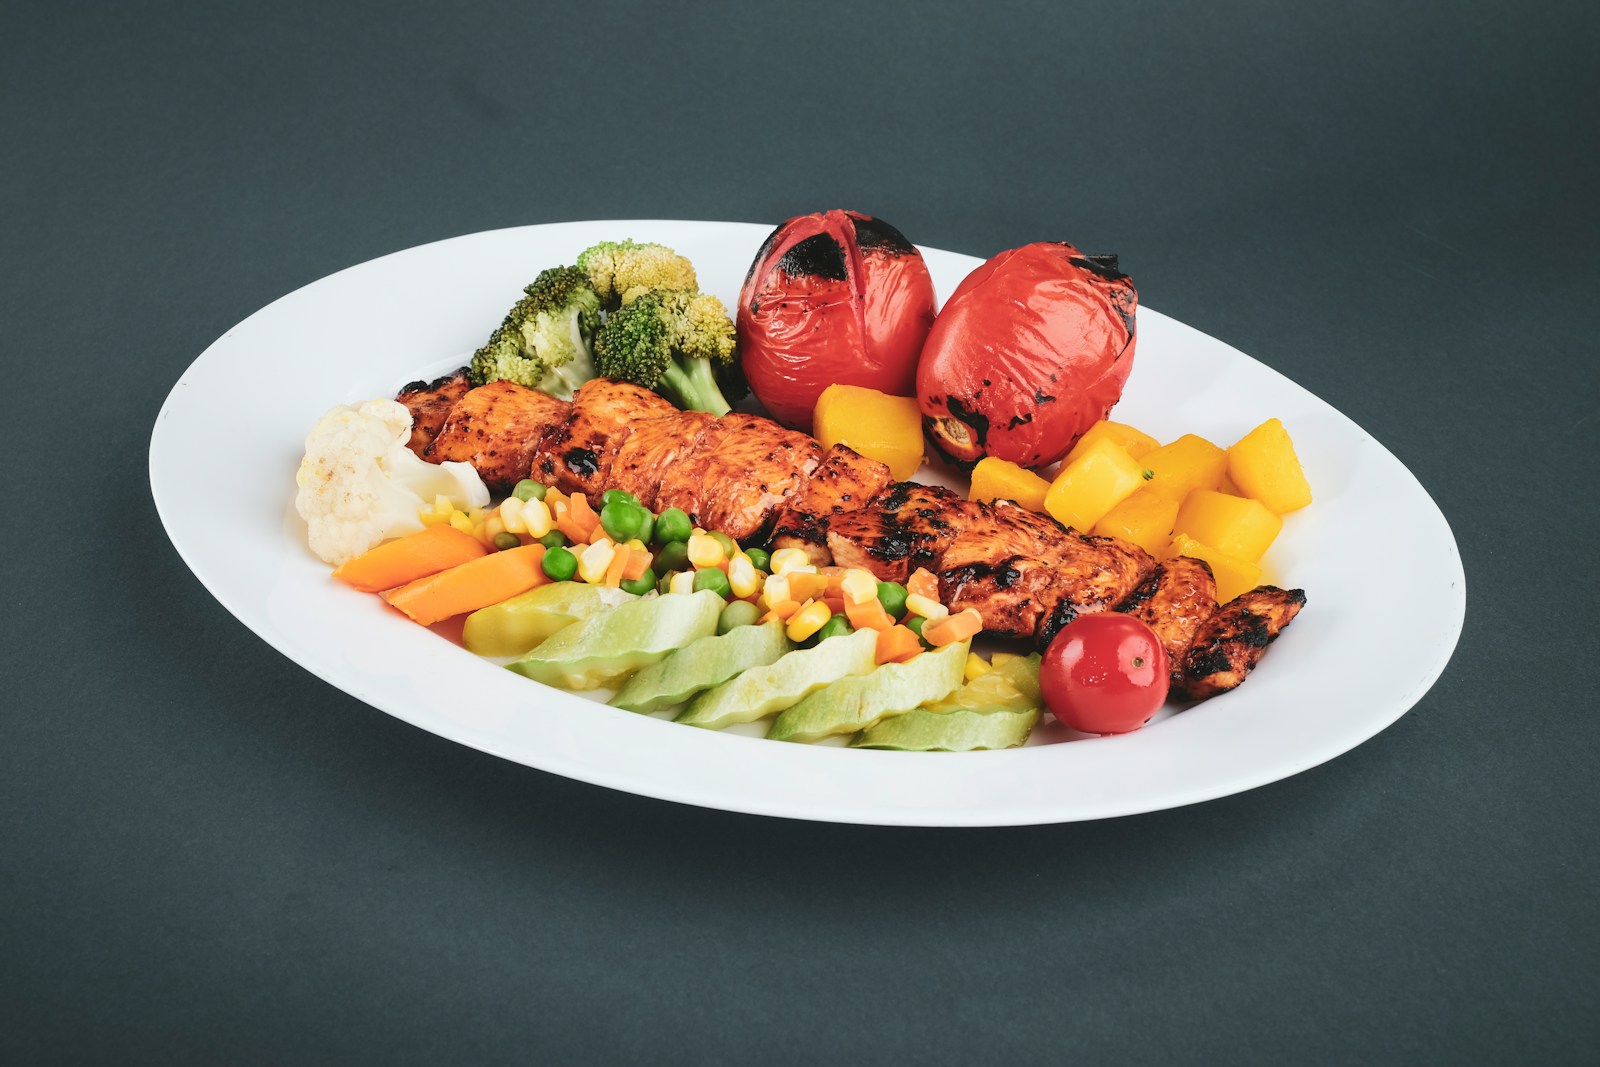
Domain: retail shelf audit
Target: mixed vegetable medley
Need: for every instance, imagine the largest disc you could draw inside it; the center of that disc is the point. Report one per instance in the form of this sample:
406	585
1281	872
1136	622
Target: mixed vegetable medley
825	633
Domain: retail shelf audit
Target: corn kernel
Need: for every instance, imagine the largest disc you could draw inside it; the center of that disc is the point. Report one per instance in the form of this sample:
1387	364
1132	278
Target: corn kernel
776	591
636	544
459	520
705	550
442	506
681	582
1000	659
594	560
743	578
536	519
787	559
976	667
859	585
811	617
511	515
927	607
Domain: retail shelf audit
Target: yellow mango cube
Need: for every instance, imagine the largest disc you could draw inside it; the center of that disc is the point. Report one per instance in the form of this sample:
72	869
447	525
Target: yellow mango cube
1264	466
1235	525
1187	464
1000	479
1102	476
1135	442
1145	518
1233	575
879	426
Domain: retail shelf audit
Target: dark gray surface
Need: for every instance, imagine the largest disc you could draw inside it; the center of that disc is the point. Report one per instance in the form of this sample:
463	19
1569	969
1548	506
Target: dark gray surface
206	854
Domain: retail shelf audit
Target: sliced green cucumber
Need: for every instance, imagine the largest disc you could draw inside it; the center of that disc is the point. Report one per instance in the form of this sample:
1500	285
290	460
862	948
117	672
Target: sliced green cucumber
760	691
707	663
853	704
608	647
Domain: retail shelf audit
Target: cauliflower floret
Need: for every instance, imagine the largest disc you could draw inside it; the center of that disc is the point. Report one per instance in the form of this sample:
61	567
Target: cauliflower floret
360	485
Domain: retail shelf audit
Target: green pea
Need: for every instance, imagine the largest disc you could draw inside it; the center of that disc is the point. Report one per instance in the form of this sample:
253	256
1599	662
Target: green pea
673	556
503	541
713	579
728	547
647	524
621	520
737	613
662	583
560	564
892	595
554	539
528	489
915	624
641	585
760	557
673	525
613	496
837	626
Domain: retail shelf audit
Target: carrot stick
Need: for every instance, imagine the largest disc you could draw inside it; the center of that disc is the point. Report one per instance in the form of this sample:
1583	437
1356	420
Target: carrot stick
472	585
897	644
638	563
618	564
952	628
416	555
923	583
583	516
869	615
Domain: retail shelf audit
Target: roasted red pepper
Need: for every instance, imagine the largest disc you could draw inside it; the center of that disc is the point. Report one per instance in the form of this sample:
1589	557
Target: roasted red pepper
1032	349
837	296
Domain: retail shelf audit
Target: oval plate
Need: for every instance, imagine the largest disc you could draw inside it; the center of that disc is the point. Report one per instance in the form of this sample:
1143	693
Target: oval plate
1377	559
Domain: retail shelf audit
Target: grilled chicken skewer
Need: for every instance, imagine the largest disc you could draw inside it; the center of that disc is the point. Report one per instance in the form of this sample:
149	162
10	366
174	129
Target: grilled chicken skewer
1025	573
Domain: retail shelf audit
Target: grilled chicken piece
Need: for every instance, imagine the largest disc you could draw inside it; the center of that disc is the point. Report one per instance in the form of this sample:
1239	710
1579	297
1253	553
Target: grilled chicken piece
1229	644
739	474
1095	574
430	404
909	526
576	456
999	565
1174	601
496	428
844	481
653	448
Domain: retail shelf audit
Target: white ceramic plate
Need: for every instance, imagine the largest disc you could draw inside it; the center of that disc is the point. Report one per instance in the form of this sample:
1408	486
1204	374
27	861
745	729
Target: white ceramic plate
1352	663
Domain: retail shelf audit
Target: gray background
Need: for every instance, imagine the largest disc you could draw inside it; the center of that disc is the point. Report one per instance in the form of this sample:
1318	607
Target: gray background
206	854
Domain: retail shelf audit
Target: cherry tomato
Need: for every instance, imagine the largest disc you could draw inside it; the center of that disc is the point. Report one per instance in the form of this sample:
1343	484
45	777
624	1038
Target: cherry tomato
1104	674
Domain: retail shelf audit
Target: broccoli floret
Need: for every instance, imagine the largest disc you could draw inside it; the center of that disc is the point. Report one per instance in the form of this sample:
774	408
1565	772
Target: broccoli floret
616	267
546	340
676	341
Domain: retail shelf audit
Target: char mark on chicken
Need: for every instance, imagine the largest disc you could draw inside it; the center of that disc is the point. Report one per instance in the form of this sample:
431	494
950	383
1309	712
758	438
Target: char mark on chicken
844	481
1174	601
739	474
1230	643
430	404
497	429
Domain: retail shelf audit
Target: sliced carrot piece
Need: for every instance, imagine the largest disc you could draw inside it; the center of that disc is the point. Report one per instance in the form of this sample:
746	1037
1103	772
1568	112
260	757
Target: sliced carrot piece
868	615
835	603
416	555
469	586
923	583
584	516
897	644
952	628
638	563
618	564
785	608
